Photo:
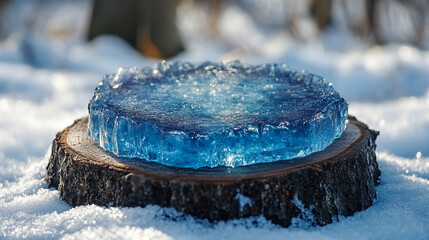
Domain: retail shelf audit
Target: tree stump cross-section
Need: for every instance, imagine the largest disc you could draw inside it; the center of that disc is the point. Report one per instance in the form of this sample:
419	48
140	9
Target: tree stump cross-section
339	180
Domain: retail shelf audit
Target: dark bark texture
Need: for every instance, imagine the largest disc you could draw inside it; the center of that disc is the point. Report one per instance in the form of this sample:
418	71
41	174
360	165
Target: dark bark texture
338	181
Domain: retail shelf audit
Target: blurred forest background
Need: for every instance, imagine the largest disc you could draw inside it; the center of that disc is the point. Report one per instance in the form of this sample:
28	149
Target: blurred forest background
164	28
54	52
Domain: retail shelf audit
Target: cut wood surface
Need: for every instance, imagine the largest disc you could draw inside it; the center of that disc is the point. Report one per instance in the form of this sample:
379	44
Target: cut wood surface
339	180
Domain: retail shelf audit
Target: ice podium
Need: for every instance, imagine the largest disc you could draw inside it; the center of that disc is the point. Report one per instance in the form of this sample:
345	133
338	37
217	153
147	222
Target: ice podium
218	141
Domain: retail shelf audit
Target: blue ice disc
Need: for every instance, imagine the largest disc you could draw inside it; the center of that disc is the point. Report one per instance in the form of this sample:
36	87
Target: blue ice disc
215	114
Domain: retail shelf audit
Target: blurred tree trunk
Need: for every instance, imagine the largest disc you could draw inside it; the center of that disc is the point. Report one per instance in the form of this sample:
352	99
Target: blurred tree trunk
2	8
372	12
148	26
321	12
415	12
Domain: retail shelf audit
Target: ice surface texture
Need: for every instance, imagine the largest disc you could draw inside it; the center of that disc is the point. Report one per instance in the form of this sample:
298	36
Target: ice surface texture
210	114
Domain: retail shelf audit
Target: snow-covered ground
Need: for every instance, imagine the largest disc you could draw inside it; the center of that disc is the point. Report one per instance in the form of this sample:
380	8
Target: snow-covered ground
387	88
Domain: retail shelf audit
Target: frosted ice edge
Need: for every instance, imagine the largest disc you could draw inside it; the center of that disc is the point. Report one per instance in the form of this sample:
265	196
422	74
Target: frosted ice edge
260	114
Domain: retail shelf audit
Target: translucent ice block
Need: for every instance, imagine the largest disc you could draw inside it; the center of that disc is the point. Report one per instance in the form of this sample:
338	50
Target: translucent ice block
210	114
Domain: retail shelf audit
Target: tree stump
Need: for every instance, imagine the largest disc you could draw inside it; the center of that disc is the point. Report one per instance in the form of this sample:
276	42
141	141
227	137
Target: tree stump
320	187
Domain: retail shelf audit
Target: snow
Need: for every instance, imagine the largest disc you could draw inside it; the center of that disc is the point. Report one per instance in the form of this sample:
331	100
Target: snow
243	200
387	88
